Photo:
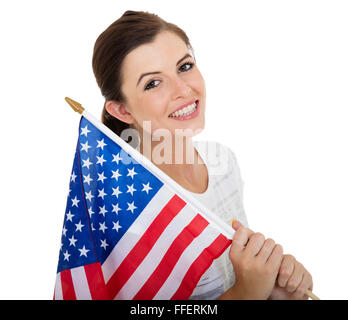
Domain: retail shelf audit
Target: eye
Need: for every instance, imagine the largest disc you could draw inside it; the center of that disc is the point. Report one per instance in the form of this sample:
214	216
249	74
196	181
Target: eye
184	69
149	86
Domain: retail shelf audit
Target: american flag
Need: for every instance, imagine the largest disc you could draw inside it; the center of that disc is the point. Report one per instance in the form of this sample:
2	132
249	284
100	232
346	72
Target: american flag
127	234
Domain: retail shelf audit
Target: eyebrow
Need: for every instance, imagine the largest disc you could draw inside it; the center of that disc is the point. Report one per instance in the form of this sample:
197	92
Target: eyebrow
156	72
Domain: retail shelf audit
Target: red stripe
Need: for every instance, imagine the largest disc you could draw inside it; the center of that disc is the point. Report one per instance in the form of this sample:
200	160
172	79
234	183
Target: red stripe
199	266
96	281
144	245
67	285
165	267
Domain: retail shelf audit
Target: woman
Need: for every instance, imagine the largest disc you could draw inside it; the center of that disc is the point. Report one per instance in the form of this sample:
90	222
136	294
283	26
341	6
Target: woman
146	70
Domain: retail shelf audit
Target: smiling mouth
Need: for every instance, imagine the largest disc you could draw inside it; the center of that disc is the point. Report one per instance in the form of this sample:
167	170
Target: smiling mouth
185	111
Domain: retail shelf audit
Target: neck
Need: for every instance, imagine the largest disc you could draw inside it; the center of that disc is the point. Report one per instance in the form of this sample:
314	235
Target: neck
176	156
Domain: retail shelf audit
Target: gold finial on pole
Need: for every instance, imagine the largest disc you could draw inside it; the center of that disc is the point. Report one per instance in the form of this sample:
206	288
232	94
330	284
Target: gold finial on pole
75	105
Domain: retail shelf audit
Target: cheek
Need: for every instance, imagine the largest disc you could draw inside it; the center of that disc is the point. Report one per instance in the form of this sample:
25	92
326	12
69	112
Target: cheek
198	83
151	108
156	107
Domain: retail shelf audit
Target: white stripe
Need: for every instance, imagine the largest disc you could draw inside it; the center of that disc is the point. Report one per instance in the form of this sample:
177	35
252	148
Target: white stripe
212	284
189	255
80	283
154	257
135	232
220	224
58	293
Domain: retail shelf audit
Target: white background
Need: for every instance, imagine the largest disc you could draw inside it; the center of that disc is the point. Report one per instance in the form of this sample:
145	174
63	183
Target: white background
276	74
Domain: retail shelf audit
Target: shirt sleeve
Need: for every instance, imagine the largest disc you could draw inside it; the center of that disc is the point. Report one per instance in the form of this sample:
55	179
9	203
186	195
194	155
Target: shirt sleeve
240	185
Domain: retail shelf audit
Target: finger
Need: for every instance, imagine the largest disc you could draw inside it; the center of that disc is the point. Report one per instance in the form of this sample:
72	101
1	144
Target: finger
306	284
240	239
266	250
236	224
274	260
295	278
286	269
254	244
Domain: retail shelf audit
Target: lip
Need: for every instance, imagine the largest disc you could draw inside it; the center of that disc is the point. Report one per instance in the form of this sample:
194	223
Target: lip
190	116
185	105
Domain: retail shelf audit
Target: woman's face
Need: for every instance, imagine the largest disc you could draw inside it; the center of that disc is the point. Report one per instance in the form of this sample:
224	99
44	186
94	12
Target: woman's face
173	83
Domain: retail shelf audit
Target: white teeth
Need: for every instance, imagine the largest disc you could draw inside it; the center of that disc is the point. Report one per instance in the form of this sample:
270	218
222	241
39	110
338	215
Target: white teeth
184	111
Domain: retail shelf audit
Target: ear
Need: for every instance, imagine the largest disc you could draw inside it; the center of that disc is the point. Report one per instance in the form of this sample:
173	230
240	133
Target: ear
119	111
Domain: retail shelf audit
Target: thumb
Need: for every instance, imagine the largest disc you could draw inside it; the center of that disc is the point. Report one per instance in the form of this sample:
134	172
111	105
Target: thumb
236	224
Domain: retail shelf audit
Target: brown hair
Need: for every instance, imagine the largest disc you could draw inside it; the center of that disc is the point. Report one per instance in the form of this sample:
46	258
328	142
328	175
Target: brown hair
131	30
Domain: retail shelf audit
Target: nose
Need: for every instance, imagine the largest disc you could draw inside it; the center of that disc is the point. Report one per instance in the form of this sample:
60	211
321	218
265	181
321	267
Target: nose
181	89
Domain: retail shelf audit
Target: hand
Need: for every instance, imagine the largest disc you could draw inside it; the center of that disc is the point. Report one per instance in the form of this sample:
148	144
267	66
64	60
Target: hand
256	263
292	282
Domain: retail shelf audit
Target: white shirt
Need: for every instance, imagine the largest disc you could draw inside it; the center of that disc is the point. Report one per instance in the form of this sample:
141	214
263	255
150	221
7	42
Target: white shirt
224	197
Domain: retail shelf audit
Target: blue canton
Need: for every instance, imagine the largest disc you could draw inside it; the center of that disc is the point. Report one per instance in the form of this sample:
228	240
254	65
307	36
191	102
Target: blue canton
108	191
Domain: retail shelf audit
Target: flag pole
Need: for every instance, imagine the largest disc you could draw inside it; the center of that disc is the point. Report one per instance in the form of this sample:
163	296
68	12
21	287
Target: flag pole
77	107
310	294
223	227
205	212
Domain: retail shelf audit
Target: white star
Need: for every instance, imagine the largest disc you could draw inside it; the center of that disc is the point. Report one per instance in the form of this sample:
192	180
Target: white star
66	255
101	160
83	251
84	131
102	226
102	194
85	146
102	210
73	176
101	177
131	173
116	192
116	158
116	208
72	241
116	225
79	226
75	202
69	216
101	144
131	189
64	231
131	206
92	227
147	187
90	211
87	179
89	195
115	174
103	244
86	163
